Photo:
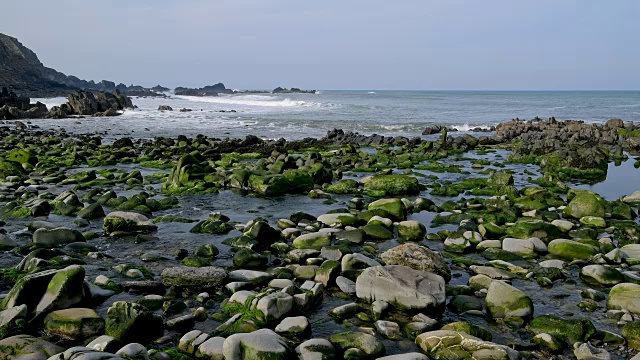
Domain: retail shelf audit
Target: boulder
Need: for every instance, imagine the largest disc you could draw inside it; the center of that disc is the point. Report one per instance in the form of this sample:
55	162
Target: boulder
504	301
569	331
601	275
441	344
367	345
402	287
631	333
500	178
571	250
57	237
392	185
127	223
65	289
201	277
87	353
338	219
316	349
417	257
27	347
74	324
625	296
263	344
274	306
585	204
131	322
393	207
316	240
411	230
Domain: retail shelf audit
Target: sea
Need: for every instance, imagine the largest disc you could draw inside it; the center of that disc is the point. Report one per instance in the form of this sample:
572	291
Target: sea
394	113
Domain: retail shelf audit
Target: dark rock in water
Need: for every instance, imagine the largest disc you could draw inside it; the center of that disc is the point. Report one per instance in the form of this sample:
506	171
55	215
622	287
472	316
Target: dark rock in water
185	110
159	88
280	90
165	108
122	143
210	90
12	100
13	106
86	103
435	129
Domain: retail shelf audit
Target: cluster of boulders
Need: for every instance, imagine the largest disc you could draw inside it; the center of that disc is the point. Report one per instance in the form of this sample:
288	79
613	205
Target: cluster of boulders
79	103
13	106
398	265
88	103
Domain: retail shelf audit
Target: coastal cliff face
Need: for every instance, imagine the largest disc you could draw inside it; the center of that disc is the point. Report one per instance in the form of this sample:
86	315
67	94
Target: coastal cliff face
22	72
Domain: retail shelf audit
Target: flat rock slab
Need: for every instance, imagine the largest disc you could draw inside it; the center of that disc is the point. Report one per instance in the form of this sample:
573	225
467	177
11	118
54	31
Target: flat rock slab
203	277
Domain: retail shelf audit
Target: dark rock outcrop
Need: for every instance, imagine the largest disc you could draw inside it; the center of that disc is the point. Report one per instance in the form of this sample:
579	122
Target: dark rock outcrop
209	90
13	107
280	90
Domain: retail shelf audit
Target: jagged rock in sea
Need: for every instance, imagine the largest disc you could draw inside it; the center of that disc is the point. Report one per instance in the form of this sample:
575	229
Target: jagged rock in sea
209	90
13	106
281	90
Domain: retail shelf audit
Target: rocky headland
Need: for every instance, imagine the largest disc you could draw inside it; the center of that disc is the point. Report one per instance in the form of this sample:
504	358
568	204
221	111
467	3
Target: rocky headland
22	72
347	246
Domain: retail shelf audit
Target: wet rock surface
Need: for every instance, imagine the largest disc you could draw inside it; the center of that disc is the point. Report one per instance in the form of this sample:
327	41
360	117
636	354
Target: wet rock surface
348	246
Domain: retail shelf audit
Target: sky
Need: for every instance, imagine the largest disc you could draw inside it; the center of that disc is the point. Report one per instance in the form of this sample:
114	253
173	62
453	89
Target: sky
337	44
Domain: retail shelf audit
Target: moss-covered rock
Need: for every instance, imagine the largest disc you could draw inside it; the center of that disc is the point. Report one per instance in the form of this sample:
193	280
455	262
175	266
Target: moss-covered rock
458	345
585	204
391	185
631	333
500	178
74	324
247	258
127	223
347	186
65	289
412	230
625	296
571	331
505	301
525	229
22	156
131	322
394	208
368	345
213	225
571	250
9	168
315	240
377	232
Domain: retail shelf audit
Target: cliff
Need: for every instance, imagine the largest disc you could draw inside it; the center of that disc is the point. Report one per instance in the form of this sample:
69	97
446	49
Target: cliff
22	73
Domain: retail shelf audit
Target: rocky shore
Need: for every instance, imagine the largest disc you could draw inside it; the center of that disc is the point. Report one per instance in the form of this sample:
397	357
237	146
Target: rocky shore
80	103
343	247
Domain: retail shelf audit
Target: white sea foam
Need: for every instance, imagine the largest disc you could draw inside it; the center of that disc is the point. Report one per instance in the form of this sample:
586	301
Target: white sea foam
254	100
372	92
467	127
50	102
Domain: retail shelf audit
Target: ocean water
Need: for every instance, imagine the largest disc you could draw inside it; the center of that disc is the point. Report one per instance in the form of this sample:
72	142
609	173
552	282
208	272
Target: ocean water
295	116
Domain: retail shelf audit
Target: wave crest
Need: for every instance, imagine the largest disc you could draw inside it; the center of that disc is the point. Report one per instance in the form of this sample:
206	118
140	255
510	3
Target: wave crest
255	100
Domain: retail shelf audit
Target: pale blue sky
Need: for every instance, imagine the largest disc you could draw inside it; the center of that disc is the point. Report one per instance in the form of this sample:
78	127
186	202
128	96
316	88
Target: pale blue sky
411	44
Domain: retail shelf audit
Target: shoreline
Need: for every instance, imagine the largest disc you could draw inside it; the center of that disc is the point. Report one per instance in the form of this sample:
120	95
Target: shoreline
209	238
